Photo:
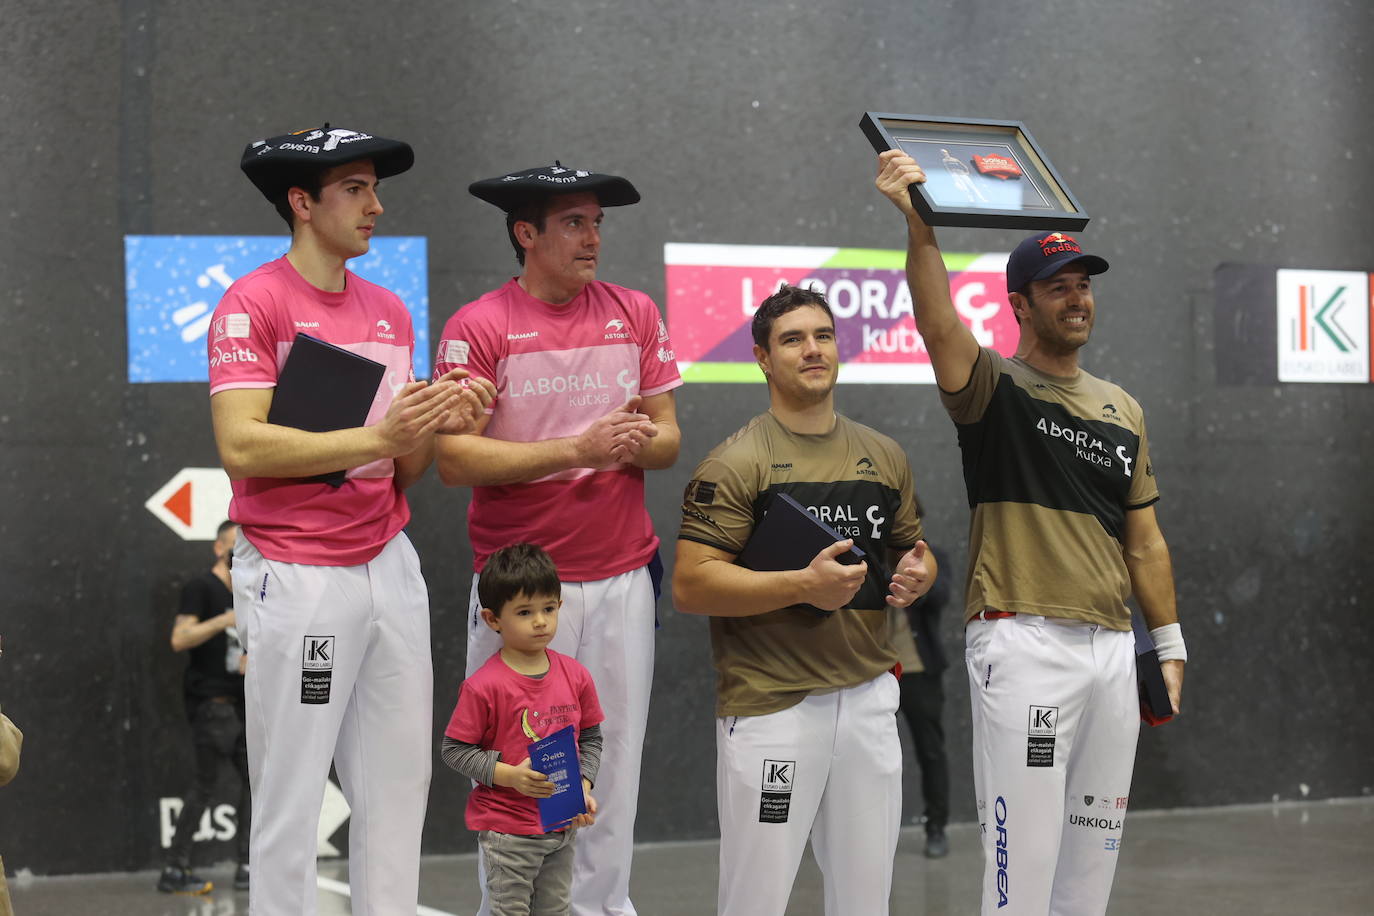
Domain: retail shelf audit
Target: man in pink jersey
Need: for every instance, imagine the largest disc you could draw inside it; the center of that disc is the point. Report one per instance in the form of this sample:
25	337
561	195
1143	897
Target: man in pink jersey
327	588
585	376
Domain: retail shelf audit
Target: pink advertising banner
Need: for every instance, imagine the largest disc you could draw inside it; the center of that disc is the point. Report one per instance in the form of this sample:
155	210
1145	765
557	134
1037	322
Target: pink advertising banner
713	290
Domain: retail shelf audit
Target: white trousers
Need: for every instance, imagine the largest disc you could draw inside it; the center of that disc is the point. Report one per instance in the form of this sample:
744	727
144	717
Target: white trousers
608	626
1055	723
829	768
338	667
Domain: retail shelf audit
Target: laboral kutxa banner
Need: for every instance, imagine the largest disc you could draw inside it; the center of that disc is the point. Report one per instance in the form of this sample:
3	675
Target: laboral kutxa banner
713	290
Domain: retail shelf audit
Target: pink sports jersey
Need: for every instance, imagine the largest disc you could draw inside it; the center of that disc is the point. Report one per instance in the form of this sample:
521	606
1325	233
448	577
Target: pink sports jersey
254	326
495	706
557	368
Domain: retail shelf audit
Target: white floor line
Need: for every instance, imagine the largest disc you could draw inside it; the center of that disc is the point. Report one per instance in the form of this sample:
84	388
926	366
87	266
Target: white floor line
340	887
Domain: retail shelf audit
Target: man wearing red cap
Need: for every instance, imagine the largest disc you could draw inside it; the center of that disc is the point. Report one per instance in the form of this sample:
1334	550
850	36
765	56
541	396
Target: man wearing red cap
1057	467
585	374
327	588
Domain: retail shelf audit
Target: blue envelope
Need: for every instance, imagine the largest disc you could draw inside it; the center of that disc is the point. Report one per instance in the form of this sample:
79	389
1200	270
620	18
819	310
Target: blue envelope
556	757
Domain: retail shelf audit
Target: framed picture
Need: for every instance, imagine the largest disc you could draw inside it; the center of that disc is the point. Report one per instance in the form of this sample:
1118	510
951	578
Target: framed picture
987	174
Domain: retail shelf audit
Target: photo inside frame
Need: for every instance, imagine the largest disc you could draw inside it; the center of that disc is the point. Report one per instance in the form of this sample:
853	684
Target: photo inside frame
975	166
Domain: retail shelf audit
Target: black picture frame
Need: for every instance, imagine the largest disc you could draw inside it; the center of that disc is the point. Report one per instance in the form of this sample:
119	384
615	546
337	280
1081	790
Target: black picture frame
982	174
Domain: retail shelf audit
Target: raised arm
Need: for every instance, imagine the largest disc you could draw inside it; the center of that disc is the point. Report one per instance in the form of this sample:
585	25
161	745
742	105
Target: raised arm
952	346
707	581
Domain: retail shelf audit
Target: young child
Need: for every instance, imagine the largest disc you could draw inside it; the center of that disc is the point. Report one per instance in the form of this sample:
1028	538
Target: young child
523	693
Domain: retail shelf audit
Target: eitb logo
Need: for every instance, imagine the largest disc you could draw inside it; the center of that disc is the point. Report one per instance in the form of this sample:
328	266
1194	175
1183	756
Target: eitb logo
1323	326
317	669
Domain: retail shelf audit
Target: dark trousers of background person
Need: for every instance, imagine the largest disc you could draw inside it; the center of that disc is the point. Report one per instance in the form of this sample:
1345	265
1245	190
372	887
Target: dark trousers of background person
922	699
217	730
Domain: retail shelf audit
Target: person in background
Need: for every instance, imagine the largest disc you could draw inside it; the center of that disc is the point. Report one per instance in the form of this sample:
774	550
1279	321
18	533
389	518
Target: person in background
213	685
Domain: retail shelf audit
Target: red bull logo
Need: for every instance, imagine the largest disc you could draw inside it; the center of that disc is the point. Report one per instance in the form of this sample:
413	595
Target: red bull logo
1057	242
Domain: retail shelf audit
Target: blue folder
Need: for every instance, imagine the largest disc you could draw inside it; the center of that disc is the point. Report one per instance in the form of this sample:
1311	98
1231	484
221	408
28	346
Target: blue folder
556	757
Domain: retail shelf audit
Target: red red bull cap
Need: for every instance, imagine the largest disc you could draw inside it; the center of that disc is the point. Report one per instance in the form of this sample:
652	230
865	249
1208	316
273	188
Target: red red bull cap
1044	255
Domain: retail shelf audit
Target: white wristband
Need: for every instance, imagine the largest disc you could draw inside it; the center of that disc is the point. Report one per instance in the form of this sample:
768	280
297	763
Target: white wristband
1169	645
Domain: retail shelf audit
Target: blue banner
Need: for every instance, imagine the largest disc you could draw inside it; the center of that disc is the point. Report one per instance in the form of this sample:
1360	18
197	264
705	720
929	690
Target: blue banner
173	282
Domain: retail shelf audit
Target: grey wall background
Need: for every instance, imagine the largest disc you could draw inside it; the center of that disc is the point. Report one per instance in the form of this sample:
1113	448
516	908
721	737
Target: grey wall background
1233	131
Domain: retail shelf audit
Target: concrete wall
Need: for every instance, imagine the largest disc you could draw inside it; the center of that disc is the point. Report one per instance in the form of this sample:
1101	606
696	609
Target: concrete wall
1196	134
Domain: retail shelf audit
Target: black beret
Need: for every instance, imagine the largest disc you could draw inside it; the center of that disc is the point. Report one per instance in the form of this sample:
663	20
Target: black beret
277	163
517	188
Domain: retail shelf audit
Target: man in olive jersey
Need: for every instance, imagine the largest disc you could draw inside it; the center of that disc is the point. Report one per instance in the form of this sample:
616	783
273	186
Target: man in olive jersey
806	736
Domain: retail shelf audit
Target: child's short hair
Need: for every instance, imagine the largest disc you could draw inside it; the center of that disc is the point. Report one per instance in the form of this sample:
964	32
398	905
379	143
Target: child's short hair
513	570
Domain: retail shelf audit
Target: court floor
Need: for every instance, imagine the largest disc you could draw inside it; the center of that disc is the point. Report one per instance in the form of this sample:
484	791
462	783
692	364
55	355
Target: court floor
1292	858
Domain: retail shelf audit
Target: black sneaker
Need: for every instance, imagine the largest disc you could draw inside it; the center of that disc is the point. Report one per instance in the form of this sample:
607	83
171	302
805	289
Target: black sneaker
241	878
937	845
176	880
